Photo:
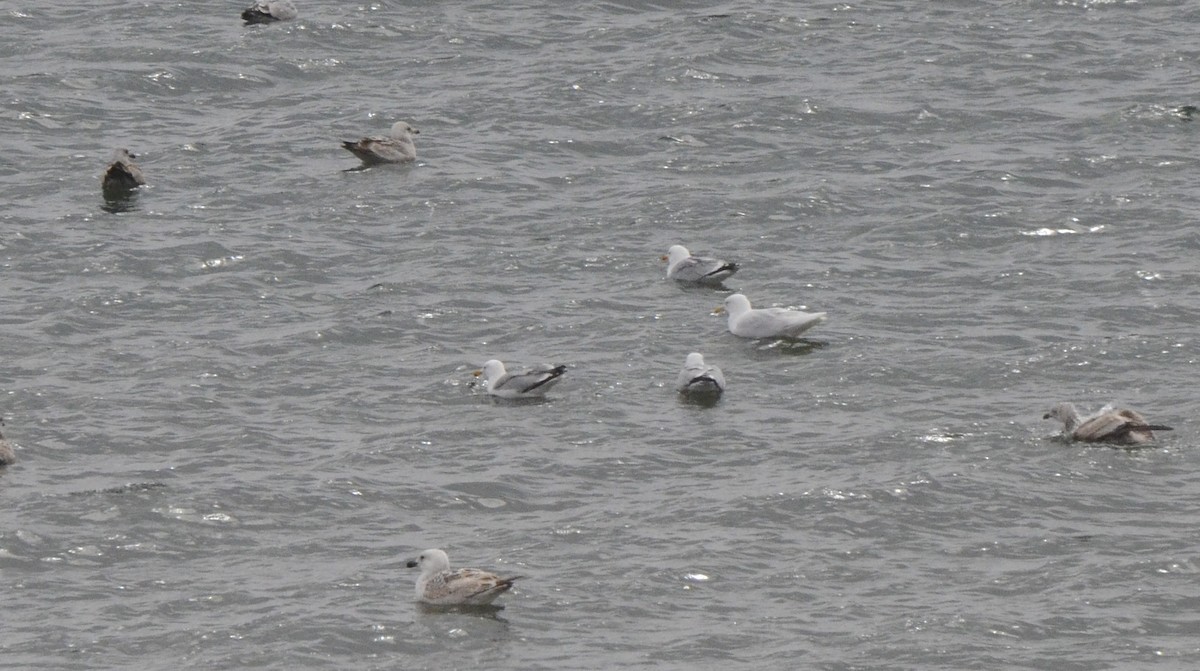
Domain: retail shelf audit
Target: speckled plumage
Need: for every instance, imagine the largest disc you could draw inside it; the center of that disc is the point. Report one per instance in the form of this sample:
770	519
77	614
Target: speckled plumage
1119	426
397	147
440	586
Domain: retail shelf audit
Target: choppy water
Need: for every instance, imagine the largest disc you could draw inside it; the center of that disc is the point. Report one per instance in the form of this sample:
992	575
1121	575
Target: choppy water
239	405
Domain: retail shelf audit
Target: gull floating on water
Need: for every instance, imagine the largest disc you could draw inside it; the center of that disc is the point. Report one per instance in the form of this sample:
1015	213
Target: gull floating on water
269	11
440	586
7	456
398	147
530	384
747	322
698	377
121	176
684	267
1120	426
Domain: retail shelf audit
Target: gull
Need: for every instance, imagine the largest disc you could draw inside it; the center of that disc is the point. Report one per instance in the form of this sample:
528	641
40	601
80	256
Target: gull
1108	425
269	11
532	383
698	377
7	456
684	267
747	322
122	175
440	586
398	147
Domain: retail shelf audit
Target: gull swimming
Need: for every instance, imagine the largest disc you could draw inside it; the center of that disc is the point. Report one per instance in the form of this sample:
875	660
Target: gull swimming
439	586
1119	426
121	176
684	267
398	147
269	11
7	456
698	377
747	322
530	384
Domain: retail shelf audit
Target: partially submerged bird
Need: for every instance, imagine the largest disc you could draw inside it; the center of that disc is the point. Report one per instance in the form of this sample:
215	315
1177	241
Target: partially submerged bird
7	456
530	384
121	176
1119	426
269	11
439	586
747	322
398	147
684	267
698	377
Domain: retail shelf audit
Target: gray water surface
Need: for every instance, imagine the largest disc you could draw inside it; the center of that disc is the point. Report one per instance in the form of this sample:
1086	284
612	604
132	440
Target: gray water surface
241	402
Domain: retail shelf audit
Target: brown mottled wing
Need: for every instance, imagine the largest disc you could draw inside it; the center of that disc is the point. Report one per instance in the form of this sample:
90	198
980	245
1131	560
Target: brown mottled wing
467	586
1123	427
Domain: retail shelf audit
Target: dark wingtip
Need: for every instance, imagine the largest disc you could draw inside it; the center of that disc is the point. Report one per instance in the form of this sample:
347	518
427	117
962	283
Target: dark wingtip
255	15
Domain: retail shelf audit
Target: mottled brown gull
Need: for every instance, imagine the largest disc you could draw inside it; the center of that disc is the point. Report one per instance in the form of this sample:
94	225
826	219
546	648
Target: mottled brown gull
439	586
684	267
746	322
397	147
698	377
1119	426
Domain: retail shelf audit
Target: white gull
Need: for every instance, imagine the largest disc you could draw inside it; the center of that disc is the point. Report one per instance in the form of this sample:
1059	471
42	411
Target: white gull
698	377
529	384
747	322
684	267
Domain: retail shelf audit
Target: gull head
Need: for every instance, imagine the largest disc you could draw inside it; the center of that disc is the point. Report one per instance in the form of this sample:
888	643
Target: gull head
1061	411
493	369
430	561
694	360
735	305
401	129
675	254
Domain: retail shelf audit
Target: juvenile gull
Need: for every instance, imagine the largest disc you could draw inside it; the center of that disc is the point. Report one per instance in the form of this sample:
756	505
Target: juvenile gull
1119	426
269	11
121	176
698	377
7	456
530	384
440	586
398	147
747	322
684	267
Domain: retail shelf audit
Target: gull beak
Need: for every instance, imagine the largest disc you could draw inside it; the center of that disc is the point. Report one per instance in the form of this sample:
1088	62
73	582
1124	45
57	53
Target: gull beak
718	310
412	563
476	373
663	257
1046	416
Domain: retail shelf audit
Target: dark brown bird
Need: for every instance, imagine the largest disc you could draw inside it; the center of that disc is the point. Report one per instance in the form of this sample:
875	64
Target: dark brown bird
7	456
122	175
270	11
1119	426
